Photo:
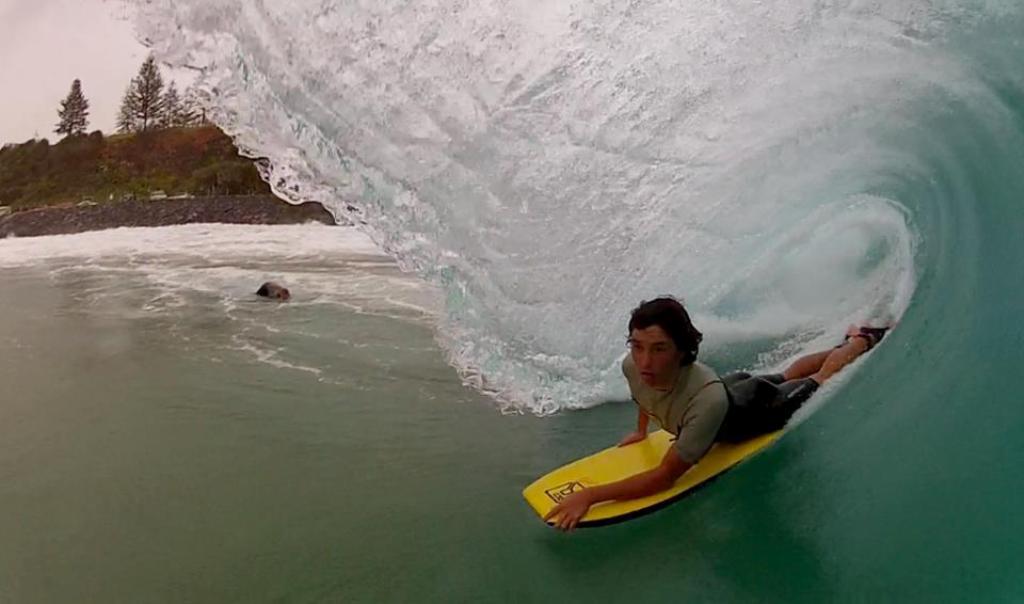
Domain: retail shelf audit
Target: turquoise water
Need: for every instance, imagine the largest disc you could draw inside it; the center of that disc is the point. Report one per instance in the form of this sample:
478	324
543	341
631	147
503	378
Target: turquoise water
786	169
170	439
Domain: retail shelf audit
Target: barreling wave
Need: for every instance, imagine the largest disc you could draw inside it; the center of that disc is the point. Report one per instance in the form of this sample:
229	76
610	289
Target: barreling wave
785	168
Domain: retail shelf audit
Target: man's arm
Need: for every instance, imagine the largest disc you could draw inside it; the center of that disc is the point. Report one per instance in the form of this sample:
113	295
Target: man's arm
573	507
641	428
643	484
696	435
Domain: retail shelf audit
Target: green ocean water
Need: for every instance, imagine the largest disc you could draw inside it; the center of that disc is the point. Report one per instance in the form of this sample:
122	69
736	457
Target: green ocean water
150	455
167	438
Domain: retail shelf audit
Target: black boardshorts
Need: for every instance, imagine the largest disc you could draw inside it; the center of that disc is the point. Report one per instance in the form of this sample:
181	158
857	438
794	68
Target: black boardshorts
759	404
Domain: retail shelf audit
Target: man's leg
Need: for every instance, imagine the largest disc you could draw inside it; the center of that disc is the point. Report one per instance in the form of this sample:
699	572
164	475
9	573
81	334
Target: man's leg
840	357
791	388
822	365
806	366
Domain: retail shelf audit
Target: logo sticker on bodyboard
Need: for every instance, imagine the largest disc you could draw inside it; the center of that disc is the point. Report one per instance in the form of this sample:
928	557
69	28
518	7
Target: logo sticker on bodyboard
557	494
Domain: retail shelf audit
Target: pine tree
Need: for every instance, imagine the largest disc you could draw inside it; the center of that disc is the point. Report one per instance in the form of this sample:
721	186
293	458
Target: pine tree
173	114
73	112
145	99
126	116
193	112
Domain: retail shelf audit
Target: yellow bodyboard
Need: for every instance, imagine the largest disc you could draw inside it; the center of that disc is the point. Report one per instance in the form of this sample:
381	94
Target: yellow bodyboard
616	463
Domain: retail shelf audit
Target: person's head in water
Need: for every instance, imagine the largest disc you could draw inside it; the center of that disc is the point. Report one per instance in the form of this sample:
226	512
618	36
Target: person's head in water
273	291
661	339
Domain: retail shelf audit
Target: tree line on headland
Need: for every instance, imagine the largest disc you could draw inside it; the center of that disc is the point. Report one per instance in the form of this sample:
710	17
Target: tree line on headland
165	146
147	105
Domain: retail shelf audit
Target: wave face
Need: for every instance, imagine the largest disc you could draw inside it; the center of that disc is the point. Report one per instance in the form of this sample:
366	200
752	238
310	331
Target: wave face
784	168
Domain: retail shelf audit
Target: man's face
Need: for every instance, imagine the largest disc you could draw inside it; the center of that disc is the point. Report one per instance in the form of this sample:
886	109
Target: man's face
655	356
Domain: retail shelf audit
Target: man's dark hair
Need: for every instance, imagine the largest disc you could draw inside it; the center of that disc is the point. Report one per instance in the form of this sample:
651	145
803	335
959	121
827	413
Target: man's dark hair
264	291
669	314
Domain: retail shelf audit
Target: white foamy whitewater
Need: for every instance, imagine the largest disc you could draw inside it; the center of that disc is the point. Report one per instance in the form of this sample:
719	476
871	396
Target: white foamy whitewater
200	282
550	164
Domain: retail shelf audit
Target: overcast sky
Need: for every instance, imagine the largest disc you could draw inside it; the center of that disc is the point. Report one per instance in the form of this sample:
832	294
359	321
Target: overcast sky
46	44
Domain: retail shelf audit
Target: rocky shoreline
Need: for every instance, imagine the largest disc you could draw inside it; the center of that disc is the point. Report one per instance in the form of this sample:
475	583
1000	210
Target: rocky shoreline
248	209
